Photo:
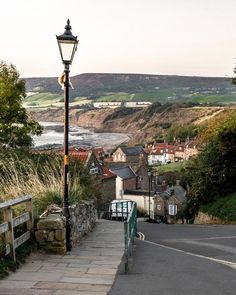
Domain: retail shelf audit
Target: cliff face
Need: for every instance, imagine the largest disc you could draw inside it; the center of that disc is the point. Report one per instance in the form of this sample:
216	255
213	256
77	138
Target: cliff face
142	125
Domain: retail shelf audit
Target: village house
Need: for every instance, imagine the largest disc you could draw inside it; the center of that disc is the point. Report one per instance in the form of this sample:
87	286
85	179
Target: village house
105	178
136	158
169	202
141	197
160	153
129	155
88	159
126	179
164	204
108	185
180	152
163	153
191	149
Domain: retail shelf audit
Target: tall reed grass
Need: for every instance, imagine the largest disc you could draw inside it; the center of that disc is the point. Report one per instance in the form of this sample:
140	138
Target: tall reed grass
40	175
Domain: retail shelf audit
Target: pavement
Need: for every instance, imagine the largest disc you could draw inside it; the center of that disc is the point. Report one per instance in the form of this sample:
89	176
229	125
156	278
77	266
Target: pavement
88	269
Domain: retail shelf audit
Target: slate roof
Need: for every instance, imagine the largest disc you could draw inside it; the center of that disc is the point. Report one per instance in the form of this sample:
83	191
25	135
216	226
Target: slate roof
133	151
124	172
180	193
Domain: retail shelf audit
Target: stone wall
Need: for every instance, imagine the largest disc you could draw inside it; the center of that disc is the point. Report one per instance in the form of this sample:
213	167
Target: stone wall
51	233
203	218
83	219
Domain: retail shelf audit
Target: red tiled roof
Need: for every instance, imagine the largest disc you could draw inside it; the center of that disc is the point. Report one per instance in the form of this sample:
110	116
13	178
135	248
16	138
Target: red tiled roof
82	156
81	149
107	173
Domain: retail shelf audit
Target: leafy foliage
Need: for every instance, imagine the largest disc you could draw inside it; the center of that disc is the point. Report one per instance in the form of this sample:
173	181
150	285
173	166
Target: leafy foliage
224	208
181	132
212	175
16	125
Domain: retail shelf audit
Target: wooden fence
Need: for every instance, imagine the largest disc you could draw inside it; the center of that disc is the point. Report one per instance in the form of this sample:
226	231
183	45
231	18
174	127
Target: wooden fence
10	222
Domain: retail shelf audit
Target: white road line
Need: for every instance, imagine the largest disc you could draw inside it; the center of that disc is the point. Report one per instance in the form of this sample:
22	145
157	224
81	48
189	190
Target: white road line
224	262
200	239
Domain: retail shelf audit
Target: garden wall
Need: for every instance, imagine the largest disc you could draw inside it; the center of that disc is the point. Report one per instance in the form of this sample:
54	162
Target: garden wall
51	233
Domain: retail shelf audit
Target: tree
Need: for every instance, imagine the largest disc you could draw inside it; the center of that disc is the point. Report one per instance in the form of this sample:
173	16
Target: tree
212	175
16	126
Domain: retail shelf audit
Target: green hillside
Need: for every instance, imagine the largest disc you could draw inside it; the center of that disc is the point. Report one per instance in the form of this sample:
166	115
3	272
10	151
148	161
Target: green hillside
135	87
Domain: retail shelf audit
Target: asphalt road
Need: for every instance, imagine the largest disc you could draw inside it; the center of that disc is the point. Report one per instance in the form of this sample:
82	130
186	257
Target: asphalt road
181	260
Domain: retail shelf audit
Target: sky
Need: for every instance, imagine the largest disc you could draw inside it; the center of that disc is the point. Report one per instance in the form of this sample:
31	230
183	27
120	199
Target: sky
169	37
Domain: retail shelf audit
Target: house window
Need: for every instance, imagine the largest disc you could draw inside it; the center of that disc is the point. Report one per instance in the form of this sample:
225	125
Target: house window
93	170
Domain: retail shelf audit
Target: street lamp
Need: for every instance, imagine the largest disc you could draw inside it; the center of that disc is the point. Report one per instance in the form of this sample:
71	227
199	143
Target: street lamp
149	194
67	44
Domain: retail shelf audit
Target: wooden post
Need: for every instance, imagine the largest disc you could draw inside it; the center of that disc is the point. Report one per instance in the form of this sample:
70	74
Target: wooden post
30	223
9	235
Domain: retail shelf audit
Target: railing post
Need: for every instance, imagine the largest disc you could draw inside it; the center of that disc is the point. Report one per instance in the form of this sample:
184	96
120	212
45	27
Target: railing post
126	245
9	235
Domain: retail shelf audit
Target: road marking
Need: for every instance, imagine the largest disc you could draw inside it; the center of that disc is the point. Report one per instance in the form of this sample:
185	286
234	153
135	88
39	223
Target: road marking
224	262
215	246
141	236
200	239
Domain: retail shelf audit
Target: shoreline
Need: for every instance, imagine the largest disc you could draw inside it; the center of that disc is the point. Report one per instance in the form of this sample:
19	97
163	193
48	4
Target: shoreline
53	137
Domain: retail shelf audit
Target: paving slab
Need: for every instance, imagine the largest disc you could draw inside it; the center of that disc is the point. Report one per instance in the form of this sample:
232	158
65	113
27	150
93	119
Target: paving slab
89	269
63	292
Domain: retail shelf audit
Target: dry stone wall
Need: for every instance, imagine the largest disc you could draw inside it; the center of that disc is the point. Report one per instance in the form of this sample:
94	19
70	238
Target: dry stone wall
83	219
51	232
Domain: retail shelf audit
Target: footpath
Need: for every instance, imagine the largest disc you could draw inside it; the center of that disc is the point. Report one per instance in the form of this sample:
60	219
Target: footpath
89	269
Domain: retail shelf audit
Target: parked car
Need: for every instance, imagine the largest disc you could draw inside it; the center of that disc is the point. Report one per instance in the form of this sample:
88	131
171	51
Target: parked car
120	209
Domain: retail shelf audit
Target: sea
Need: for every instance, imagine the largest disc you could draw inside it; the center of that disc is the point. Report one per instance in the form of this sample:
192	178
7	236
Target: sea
53	135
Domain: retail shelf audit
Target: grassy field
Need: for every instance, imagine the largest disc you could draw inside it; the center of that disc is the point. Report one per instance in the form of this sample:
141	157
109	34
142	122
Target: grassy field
172	167
224	208
153	96
51	100
161	95
42	99
222	99
170	95
119	96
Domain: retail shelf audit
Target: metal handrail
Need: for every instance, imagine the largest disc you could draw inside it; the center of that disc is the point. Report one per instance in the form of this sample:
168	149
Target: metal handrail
130	229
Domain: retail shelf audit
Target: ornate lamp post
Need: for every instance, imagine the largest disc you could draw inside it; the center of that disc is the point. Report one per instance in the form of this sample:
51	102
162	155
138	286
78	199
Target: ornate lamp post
67	44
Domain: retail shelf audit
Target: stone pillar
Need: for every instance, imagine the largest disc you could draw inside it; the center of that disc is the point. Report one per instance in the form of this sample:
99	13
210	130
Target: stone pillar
51	234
